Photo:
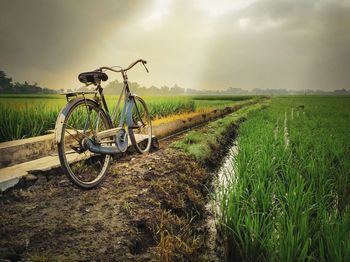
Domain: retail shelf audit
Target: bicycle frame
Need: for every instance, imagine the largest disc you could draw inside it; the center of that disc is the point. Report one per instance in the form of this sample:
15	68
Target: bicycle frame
127	94
126	114
125	117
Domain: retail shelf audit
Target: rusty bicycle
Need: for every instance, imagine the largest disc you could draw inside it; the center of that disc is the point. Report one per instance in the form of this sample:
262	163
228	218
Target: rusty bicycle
87	134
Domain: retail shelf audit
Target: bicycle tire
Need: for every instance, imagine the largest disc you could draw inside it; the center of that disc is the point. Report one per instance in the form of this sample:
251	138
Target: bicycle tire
139	124
92	162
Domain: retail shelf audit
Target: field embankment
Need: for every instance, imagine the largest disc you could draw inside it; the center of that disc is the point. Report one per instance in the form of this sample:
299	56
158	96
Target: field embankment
208	144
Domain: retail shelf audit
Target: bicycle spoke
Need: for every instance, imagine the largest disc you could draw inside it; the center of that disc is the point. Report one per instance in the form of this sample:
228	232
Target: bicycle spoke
71	152
88	110
97	122
83	167
76	130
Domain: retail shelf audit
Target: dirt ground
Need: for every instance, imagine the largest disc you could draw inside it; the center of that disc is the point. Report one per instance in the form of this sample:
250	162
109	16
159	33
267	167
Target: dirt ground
149	208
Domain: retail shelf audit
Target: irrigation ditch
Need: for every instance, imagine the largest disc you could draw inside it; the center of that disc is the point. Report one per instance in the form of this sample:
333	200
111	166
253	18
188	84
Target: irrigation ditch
150	207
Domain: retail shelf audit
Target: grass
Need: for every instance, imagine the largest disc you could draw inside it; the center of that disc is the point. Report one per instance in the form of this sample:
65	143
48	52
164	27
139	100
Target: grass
289	196
175	244
26	121
23	116
201	144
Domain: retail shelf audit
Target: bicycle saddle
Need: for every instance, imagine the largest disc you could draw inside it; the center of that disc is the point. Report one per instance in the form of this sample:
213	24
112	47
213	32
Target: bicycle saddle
93	77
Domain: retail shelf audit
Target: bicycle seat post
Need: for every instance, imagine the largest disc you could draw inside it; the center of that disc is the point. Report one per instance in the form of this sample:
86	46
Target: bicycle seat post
125	77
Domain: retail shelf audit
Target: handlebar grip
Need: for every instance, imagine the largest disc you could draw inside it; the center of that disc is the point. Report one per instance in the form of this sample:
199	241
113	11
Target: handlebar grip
144	62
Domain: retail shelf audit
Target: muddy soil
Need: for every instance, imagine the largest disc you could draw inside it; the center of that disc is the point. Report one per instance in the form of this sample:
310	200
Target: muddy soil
149	208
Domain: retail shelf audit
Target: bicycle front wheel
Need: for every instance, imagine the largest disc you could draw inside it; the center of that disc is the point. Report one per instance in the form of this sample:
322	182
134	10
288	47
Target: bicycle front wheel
139	125
83	119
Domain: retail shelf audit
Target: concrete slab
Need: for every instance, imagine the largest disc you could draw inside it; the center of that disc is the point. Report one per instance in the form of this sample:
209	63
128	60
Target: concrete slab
10	176
19	151
23	150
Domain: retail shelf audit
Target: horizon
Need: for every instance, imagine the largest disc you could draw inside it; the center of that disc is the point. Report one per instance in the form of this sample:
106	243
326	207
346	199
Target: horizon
203	45
183	90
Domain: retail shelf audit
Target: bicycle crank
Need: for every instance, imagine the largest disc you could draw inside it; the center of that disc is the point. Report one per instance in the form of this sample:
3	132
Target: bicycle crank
122	140
98	149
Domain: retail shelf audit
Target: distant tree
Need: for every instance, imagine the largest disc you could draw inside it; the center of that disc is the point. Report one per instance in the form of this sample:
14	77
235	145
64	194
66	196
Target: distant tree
164	90
341	91
176	90
234	91
113	88
134	87
5	82
7	87
154	90
49	91
27	88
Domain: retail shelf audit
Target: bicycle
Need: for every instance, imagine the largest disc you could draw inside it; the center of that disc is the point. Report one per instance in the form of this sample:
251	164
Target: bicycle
87	135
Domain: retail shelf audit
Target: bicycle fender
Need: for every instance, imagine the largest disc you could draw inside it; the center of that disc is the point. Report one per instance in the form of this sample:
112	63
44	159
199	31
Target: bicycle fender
63	114
129	113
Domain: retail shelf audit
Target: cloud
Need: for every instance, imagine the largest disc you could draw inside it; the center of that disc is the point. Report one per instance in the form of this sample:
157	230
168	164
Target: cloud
294	44
283	44
44	37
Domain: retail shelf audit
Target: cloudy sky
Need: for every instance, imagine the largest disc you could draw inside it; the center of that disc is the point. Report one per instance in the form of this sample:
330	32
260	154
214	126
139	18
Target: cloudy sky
204	44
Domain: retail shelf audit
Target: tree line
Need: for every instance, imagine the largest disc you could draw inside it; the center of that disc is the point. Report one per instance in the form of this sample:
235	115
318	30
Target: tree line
8	87
114	88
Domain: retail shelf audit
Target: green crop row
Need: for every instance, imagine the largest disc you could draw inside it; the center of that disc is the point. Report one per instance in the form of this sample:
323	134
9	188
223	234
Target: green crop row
223	97
204	144
24	116
26	121
288	198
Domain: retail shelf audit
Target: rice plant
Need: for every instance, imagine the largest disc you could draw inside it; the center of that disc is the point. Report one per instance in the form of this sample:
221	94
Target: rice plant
290	201
23	116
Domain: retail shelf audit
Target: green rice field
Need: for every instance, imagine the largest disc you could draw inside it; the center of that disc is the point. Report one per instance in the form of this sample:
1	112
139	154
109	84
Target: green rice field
23	116
288	196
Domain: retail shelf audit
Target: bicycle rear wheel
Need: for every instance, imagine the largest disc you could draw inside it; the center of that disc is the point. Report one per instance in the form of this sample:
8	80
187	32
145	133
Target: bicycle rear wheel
82	120
140	127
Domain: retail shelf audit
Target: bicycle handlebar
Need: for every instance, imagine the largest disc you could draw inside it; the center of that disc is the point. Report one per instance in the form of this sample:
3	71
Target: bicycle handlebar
144	62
